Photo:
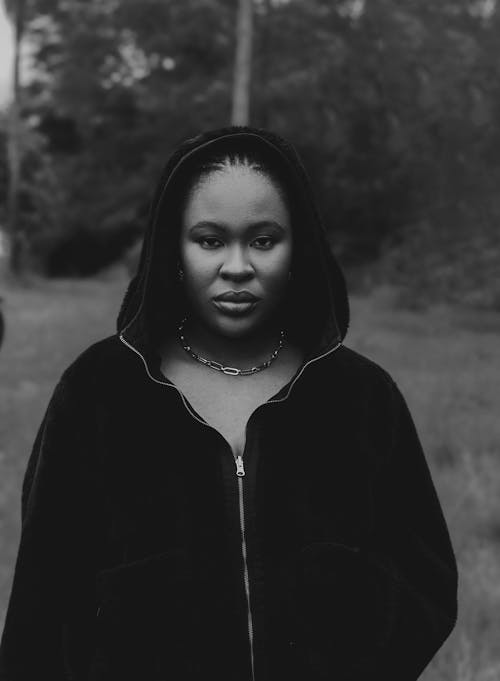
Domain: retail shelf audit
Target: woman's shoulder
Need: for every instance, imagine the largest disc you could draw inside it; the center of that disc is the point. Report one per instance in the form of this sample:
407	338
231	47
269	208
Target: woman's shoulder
100	359
357	364
354	373
361	383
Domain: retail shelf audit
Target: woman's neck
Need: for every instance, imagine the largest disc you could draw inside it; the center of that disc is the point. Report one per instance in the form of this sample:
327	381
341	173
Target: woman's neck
250	350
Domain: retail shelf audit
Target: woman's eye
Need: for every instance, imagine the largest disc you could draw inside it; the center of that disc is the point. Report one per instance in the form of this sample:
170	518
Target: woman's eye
209	241
264	242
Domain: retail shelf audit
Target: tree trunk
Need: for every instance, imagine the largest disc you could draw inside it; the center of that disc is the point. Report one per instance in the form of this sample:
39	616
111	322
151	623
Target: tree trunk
263	29
14	234
243	64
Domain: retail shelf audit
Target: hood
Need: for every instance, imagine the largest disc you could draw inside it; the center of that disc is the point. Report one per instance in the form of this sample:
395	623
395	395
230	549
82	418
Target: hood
318	309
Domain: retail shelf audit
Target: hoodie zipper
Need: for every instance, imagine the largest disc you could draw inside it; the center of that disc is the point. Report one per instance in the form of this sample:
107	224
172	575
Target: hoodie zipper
240	473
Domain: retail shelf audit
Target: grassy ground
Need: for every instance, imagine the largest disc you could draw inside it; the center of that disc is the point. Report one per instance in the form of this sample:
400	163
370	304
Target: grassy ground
446	361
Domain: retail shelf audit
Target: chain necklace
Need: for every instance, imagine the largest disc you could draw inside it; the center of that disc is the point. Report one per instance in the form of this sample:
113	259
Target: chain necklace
231	371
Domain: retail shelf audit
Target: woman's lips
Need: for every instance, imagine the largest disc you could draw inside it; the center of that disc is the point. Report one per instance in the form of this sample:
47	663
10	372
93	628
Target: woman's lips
234	308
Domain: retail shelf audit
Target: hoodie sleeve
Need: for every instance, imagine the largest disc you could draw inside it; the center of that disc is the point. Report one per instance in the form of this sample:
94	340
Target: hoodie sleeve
414	556
53	566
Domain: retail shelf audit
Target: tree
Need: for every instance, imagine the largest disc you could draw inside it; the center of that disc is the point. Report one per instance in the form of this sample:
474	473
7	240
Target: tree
116	87
243	64
16	10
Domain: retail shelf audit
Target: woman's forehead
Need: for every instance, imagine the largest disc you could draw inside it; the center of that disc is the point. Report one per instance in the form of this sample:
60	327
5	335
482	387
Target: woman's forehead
234	194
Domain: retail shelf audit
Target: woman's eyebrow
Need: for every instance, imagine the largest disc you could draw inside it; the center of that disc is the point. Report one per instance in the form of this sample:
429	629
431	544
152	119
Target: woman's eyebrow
224	228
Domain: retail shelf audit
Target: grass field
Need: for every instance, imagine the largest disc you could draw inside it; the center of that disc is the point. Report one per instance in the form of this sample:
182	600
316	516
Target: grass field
446	361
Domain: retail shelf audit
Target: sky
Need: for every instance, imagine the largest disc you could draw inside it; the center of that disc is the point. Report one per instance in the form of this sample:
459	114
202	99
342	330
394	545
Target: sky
5	56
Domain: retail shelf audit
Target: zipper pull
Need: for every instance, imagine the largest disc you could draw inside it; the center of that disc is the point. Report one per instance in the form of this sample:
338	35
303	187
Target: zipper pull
240	471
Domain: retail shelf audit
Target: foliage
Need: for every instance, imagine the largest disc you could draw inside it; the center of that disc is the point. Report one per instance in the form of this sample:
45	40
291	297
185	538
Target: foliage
114	88
392	104
396	107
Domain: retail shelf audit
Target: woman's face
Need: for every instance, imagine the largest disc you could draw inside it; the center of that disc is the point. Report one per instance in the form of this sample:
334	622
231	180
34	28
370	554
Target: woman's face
236	237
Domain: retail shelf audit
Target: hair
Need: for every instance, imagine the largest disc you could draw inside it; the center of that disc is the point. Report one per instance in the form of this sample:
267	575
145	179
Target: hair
188	177
221	162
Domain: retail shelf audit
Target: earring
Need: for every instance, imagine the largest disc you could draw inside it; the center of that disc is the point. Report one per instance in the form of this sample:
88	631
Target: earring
180	273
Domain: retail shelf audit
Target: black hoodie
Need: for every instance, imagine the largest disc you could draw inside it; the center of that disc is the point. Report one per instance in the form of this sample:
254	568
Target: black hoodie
143	554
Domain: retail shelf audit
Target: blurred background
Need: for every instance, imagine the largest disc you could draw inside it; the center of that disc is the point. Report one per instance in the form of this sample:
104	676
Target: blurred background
394	106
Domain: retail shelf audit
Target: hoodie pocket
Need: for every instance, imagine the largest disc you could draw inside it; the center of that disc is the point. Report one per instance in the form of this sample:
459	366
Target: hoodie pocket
348	603
144	620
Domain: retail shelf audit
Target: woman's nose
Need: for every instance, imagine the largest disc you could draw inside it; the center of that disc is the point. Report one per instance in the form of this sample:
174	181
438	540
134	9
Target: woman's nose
236	263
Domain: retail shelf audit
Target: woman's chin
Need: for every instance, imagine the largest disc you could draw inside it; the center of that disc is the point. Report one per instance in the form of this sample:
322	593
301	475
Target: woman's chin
236	327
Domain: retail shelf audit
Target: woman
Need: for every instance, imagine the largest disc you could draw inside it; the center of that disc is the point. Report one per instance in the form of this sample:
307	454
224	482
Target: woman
223	489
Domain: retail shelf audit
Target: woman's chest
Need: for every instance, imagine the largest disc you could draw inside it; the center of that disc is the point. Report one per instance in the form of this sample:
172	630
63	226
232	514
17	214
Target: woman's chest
308	463
226	407
227	402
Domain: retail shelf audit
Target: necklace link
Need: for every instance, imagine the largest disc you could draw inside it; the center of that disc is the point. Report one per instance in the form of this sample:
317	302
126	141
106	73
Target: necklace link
230	371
